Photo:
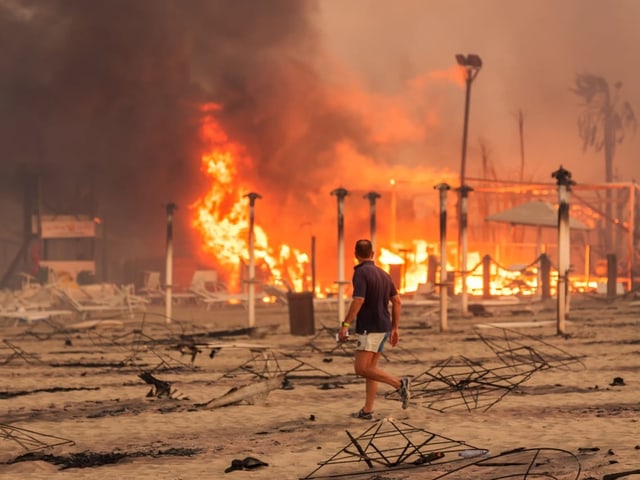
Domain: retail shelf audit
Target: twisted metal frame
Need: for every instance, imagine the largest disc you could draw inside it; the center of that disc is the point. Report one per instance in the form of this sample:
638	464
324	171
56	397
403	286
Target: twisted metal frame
391	445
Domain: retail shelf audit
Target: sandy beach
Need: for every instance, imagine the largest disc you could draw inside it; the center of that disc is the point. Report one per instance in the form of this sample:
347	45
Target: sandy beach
74	405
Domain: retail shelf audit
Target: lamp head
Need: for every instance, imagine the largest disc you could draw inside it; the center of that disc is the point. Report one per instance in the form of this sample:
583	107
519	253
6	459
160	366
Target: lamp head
474	60
471	60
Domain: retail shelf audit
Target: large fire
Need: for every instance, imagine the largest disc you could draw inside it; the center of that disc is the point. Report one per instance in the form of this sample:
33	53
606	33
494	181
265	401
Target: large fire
222	215
222	218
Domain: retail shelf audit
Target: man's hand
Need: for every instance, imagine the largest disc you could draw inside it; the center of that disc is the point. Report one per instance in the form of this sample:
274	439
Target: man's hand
343	333
395	337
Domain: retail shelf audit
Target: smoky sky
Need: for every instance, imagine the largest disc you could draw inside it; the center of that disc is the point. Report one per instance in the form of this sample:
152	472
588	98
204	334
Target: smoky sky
532	51
102	99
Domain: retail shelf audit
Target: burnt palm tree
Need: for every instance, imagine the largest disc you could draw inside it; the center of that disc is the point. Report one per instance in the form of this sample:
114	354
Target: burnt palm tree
602	125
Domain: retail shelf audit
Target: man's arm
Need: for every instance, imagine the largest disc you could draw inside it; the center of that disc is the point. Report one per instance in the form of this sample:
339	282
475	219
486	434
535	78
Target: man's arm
396	309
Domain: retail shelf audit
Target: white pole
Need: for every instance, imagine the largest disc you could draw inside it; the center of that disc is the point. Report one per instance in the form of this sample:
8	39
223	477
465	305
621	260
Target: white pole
464	299
168	301
538	254
443	188
394	211
340	193
252	285
564	246
632	221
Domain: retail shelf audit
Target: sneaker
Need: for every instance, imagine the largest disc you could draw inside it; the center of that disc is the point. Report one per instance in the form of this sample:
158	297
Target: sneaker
405	391
363	415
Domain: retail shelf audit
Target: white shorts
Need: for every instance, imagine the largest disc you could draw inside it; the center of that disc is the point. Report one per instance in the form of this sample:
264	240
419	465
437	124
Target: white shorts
372	342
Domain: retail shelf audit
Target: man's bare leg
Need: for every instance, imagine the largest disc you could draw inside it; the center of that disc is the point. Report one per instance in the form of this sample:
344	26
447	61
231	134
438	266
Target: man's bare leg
366	367
370	395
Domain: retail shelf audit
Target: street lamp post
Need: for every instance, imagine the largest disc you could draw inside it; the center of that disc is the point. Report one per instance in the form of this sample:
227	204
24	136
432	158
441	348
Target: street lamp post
471	64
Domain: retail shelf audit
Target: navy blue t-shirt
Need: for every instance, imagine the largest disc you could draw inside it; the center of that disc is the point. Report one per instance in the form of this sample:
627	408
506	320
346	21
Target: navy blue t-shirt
376	287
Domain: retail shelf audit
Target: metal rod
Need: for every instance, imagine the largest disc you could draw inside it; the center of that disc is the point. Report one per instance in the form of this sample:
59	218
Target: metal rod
465	128
587	265
632	222
394	212
612	275
540	251
471	64
313	265
486	276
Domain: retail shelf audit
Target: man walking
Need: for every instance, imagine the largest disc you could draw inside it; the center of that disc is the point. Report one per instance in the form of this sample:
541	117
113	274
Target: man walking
373	290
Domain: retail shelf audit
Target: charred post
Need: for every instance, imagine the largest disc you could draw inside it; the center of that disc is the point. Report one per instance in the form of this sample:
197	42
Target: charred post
545	276
612	275
372	196
486	276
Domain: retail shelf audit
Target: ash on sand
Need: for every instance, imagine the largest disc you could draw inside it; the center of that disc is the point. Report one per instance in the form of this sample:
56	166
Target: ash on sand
94	459
188	442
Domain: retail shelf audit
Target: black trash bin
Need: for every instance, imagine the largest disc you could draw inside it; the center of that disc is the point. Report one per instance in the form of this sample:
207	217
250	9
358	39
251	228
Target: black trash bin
85	277
301	321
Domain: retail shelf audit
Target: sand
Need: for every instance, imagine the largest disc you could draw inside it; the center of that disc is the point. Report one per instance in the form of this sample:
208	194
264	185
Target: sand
79	383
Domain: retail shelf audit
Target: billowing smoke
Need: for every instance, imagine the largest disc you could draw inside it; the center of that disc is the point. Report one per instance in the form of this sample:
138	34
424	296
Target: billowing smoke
98	99
532	52
103	101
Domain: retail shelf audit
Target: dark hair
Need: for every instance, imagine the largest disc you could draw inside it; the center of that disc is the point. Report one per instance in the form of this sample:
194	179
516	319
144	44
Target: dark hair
364	248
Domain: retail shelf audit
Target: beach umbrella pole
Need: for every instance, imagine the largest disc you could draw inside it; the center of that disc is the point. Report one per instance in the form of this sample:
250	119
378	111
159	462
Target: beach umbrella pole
372	196
563	178
340	193
168	301
252	267
443	188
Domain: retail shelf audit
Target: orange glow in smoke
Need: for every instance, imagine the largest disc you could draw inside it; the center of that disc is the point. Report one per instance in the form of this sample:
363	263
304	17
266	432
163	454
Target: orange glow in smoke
407	209
222	220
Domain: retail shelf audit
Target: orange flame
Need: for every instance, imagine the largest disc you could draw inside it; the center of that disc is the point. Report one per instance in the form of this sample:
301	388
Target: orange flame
222	214
222	219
